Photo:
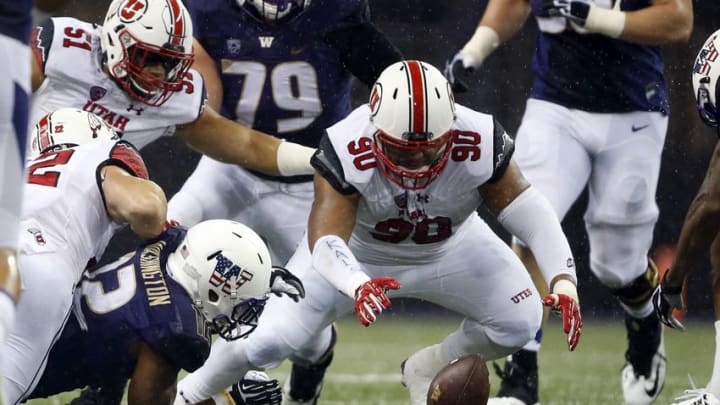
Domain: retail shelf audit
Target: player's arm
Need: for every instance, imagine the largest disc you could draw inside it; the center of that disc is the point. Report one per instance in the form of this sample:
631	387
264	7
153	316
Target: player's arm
154	379
229	142
501	20
40	42
663	22
139	202
330	224
700	228
204	64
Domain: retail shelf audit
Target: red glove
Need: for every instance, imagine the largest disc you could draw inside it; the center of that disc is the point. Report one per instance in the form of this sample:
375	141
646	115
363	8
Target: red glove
371	298
569	309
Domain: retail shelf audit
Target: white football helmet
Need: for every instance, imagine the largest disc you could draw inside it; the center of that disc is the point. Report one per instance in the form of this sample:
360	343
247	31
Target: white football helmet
705	79
413	110
147	47
273	10
65	128
226	269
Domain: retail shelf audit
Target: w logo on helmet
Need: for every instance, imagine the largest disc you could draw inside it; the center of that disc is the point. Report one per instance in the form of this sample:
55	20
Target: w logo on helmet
227	274
131	10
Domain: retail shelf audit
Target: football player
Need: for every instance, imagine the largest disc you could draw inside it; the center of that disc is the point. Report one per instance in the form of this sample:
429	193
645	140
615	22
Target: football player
284	67
83	184
397	187
701	230
14	106
134	72
150	314
597	109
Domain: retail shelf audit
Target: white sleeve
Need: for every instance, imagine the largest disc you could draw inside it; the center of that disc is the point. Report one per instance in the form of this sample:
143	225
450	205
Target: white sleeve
332	258
532	220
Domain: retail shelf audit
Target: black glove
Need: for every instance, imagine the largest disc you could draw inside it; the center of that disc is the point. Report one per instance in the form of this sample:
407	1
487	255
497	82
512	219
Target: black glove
256	388
457	74
574	10
665	301
284	282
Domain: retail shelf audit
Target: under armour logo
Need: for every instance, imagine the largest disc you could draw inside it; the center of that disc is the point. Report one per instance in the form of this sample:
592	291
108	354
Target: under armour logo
138	111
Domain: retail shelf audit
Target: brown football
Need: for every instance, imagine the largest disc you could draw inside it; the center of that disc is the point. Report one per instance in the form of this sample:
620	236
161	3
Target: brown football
465	381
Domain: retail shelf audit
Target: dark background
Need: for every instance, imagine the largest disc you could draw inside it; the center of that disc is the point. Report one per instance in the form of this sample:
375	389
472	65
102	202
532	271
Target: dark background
433	30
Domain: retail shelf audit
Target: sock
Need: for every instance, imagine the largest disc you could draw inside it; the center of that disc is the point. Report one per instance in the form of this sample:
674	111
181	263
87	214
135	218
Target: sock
714	384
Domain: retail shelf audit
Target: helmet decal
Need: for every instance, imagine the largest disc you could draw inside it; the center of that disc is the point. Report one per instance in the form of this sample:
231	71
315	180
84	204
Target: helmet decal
177	24
375	98
132	10
418	98
224	273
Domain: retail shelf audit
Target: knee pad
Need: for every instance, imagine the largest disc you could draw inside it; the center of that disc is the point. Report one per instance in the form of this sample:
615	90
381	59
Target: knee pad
641	288
618	253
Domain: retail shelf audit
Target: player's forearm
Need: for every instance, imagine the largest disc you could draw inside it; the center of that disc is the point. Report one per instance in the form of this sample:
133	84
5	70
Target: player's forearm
505	17
532	220
664	22
148	211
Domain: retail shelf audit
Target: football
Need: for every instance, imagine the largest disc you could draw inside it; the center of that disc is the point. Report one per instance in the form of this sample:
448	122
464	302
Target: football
465	381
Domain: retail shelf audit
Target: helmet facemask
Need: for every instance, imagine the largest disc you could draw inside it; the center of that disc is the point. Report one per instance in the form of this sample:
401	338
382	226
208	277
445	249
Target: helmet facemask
153	74
275	10
243	320
414	160
705	105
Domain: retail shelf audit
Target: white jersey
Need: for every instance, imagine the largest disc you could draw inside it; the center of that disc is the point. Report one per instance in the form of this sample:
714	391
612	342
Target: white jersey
412	226
64	208
69	52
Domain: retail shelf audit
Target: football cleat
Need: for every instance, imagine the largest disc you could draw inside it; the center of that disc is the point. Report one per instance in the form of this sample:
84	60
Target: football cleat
643	376
419	370
519	384
696	397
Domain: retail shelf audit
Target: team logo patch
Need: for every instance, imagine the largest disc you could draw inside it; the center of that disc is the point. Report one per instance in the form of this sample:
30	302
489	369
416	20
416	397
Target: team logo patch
227	274
132	10
233	46
375	98
37	234
97	92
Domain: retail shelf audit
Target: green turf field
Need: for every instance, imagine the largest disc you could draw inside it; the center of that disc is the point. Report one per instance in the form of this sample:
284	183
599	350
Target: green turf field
366	366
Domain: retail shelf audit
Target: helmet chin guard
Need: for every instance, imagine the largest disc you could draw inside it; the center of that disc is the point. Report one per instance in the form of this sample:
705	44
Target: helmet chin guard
413	109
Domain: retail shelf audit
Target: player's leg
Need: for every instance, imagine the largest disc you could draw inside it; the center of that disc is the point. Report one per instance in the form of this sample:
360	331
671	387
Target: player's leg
209	193
620	218
548	147
714	383
47	300
285	328
277	211
309	365
14	89
482	279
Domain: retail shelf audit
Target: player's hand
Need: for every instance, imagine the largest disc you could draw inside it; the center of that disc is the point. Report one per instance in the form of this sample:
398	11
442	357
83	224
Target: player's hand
457	73
574	10
371	298
564	302
665	300
284	282
256	388
170	223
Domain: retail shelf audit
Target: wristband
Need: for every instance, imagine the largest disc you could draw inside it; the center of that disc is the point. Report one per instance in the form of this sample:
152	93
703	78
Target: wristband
605	21
483	43
294	159
566	287
332	258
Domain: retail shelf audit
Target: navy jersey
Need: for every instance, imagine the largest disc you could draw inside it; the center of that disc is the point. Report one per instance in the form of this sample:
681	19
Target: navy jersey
130	301
593	72
282	78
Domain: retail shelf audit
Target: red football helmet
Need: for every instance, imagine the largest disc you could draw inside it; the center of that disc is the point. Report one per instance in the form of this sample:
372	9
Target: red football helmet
148	47
413	110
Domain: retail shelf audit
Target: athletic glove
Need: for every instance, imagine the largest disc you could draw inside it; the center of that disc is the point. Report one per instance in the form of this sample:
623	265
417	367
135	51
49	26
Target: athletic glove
574	10
458	73
256	388
665	300
371	298
284	282
563	301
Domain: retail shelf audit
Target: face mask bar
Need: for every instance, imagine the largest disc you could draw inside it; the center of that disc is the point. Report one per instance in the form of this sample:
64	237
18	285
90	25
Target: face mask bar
242	322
